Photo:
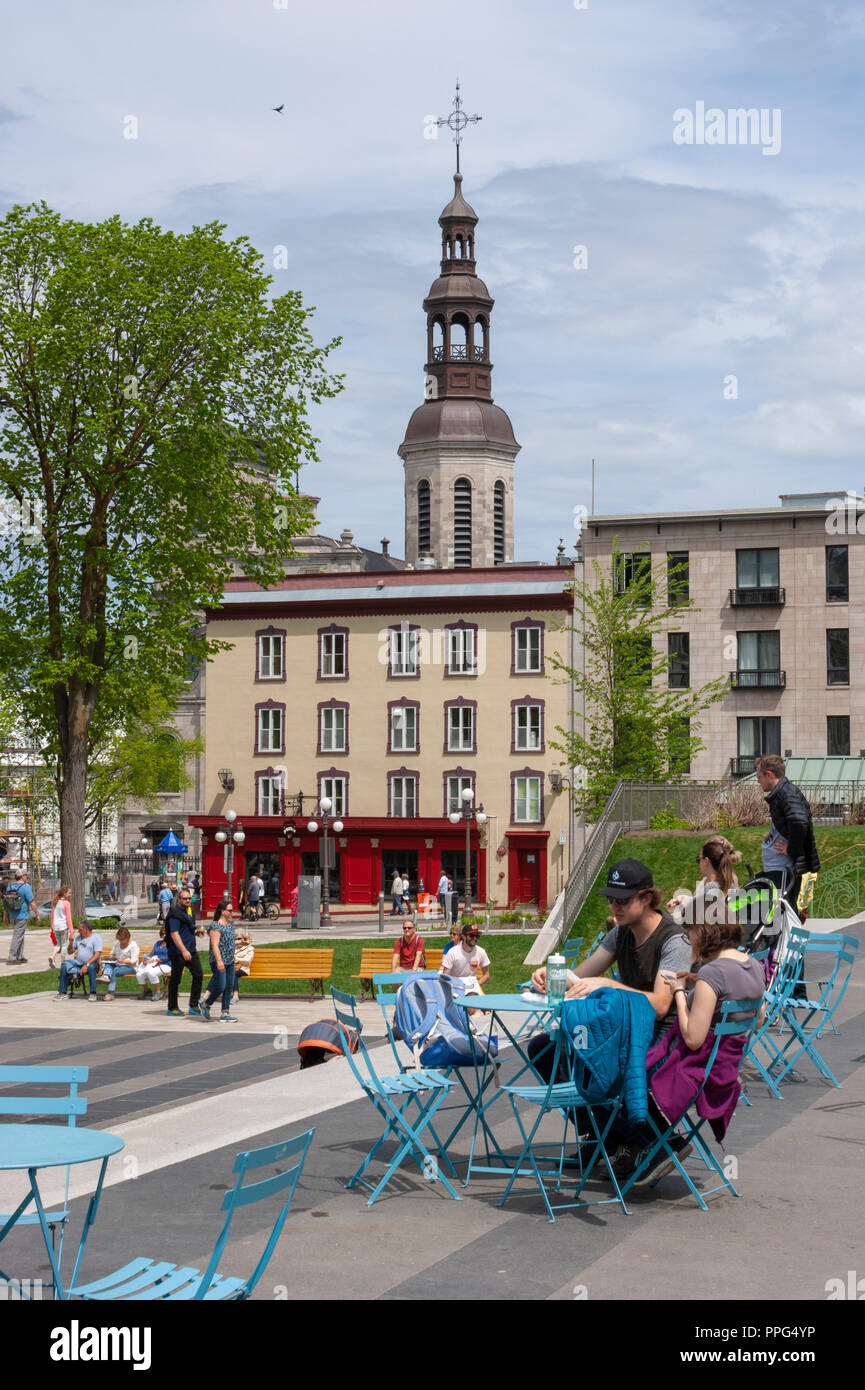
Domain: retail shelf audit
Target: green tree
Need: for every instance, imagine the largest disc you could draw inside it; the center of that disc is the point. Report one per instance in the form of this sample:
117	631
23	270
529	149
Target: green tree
153	416
634	725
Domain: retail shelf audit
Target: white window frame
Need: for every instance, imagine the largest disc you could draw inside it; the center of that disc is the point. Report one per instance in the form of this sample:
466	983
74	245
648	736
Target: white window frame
462	657
333	644
329	735
529	648
399	720
460	740
404	651
274	791
335	788
403	783
270	723
271	657
525	712
454	798
526	797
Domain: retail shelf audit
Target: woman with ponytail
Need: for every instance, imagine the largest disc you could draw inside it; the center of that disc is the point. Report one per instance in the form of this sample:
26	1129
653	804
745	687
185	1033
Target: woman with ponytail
715	862
61	924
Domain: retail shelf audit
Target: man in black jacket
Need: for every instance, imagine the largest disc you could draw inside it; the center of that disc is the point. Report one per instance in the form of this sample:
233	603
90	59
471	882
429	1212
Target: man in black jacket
182	954
790	845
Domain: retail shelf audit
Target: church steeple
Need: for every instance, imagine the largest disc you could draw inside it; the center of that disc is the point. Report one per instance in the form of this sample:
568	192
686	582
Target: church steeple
458	309
459	448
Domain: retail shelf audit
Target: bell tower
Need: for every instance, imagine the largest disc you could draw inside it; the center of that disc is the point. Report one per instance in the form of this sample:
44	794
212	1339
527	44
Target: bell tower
459	448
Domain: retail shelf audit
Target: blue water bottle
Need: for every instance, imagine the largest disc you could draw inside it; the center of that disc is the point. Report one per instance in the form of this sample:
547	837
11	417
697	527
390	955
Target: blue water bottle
557	980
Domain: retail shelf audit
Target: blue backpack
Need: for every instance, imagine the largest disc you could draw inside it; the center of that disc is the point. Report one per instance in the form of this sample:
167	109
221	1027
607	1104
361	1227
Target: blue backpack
436	1031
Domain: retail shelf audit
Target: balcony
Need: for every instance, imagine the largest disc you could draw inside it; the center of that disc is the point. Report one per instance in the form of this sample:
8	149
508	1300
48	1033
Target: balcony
758	680
460	352
758	598
743	767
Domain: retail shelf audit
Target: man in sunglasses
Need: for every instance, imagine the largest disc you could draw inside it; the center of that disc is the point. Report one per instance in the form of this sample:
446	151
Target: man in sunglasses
468	961
182	954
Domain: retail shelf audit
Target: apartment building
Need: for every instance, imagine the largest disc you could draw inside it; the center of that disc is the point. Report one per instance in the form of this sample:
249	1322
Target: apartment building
779	611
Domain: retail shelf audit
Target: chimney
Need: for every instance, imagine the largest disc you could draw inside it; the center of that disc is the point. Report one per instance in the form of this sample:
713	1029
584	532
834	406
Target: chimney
384	545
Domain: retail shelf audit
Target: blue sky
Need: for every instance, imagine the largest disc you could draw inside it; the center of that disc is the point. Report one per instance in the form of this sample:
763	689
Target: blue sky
704	261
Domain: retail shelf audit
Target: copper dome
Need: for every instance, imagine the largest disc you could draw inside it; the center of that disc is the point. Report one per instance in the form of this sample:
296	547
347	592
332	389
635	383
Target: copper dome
457	420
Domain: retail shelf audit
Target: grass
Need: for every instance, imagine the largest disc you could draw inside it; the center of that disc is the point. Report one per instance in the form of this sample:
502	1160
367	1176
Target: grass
506	953
673	861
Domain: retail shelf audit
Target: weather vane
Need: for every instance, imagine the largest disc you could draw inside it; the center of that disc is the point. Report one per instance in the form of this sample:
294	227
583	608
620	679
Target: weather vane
457	122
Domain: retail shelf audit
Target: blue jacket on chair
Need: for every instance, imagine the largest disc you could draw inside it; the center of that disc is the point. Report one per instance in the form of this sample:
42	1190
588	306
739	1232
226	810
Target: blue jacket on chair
609	1033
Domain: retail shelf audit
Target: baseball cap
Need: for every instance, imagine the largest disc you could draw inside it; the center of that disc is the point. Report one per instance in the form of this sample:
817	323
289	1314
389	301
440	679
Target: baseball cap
625	878
468	930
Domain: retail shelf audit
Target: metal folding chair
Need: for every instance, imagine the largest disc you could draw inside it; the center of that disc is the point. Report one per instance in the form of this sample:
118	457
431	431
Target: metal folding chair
687	1130
807	1018
391	1096
564	1097
70	1105
146	1279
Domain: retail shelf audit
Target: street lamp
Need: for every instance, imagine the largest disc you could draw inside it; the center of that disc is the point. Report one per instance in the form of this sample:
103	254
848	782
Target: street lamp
467	796
325	807
230	833
143	848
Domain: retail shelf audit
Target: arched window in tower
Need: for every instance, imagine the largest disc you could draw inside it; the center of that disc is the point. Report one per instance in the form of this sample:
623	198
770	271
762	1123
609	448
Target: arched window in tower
480	335
499	524
423	514
459	337
460	247
438	339
462	523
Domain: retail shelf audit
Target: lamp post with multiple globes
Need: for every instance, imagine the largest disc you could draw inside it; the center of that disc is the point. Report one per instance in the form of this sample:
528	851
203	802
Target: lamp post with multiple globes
468	814
325	806
230	833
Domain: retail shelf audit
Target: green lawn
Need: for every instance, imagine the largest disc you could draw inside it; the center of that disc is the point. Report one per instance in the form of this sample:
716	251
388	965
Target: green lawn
506	953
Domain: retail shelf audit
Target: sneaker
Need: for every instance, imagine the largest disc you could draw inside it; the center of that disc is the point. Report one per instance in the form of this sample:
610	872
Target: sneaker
227	1018
147	994
58	997
106	979
93	997
109	998
205	1010
662	1163
195	1013
175	1013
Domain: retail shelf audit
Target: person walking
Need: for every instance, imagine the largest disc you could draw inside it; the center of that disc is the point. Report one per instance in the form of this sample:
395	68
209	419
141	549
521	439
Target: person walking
222	949
61	925
443	898
18	902
396	892
182	955
165	898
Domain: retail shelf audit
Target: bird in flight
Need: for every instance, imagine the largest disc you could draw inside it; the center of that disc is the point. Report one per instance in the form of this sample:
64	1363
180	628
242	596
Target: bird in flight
278	108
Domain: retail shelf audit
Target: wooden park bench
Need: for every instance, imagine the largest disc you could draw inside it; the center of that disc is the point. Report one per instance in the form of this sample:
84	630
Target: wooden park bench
289	963
377	960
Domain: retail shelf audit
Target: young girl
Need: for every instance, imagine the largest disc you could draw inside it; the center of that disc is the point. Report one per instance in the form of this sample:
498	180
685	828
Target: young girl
61	925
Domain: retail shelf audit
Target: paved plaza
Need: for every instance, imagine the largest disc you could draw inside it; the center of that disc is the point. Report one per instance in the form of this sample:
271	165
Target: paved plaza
187	1096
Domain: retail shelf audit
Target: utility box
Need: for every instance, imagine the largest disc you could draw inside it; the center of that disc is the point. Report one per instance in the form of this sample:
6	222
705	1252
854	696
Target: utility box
309	902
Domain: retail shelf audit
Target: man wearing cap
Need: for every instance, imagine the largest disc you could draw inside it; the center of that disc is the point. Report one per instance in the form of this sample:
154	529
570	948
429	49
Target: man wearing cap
468	961
19	916
645	943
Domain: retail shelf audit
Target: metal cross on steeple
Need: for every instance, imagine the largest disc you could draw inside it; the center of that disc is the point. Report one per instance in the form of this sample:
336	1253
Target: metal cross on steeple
457	122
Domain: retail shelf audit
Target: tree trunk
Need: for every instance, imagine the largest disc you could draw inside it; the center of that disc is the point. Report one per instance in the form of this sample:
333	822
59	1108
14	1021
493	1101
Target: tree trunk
73	791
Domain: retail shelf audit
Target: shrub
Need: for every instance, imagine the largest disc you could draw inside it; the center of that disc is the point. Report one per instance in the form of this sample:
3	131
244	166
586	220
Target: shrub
666	819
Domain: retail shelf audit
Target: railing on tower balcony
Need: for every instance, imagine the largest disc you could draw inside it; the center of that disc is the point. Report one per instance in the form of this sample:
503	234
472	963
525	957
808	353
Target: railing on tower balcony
460	352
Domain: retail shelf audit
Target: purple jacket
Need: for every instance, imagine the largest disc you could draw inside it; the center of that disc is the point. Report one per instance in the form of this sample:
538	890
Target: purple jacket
679	1075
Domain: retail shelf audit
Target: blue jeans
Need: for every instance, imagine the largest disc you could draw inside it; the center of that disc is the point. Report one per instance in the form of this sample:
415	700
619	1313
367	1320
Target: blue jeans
221	982
397	905
113	969
71	968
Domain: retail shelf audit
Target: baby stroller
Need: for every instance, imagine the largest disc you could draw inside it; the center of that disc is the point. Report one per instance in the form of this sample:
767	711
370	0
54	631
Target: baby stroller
767	920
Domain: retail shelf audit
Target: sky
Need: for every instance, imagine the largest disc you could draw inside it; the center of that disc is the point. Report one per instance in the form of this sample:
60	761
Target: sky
705	347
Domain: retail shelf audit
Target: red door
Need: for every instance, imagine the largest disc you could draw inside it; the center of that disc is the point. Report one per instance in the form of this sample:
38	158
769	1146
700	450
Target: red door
528	876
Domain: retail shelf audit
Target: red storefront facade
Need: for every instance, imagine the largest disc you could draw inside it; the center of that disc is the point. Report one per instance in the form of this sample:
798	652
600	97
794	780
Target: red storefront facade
368	851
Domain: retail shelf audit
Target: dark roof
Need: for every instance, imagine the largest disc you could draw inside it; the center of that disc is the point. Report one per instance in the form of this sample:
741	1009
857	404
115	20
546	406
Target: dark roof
458	420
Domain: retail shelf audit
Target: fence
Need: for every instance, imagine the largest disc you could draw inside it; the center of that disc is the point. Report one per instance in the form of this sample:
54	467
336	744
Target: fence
840	890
